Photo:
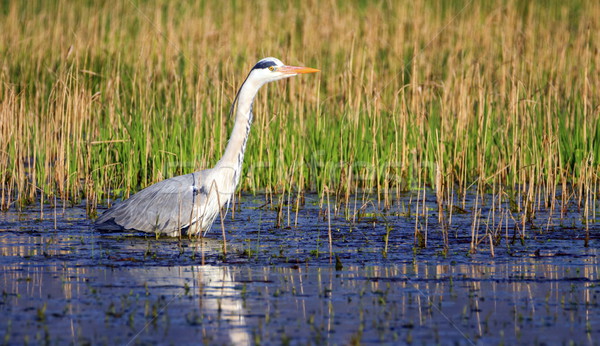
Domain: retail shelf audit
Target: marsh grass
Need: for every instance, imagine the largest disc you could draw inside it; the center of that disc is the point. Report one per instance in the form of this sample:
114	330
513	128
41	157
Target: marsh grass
98	100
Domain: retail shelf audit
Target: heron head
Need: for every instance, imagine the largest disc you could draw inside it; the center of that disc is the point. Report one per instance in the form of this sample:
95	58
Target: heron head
267	70
272	69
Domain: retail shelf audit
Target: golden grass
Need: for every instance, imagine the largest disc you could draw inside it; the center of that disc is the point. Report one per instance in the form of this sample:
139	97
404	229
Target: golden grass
502	95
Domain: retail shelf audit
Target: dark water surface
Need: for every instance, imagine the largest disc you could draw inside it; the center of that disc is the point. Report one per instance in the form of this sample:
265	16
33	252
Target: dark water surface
64	283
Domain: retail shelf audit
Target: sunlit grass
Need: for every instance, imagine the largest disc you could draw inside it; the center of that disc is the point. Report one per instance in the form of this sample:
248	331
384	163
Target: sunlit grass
100	100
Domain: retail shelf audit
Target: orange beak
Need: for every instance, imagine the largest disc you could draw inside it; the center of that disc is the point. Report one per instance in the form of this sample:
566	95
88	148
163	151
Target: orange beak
296	69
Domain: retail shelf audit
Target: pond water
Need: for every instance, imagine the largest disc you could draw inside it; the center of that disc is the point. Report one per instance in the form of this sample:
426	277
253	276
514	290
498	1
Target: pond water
280	282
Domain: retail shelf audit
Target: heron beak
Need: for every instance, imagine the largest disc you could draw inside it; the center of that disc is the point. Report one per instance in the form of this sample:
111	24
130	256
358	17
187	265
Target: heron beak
293	70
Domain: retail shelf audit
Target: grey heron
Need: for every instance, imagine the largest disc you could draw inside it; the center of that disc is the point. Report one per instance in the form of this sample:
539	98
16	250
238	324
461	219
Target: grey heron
190	203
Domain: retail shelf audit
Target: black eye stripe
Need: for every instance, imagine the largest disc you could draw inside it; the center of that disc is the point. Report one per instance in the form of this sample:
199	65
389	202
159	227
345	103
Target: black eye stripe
264	64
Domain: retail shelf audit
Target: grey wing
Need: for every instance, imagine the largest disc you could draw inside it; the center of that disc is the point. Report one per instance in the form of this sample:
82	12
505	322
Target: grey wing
166	207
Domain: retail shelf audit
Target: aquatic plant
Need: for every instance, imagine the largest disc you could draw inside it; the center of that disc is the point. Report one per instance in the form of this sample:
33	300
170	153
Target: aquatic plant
100	100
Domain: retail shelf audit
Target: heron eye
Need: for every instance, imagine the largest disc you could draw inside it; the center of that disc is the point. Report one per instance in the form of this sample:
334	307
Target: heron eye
271	68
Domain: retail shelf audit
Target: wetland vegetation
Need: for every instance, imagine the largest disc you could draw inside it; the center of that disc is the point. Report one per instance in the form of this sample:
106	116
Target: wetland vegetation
437	182
100	100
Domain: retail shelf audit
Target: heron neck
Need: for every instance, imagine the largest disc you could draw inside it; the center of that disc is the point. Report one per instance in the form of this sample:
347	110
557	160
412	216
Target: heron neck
233	156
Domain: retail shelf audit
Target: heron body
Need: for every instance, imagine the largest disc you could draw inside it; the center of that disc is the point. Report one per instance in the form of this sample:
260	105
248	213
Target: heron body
190	203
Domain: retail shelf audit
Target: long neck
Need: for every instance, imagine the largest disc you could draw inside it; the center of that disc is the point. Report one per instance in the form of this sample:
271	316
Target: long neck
233	157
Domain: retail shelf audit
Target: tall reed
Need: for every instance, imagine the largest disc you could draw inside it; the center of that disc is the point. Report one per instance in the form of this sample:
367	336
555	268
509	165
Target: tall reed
98	100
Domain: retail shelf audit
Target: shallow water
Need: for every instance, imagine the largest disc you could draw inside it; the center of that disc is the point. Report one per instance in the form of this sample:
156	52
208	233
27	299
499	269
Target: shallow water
278	284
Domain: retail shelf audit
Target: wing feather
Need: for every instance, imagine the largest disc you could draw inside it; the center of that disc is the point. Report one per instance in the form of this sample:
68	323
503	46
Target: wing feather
166	207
